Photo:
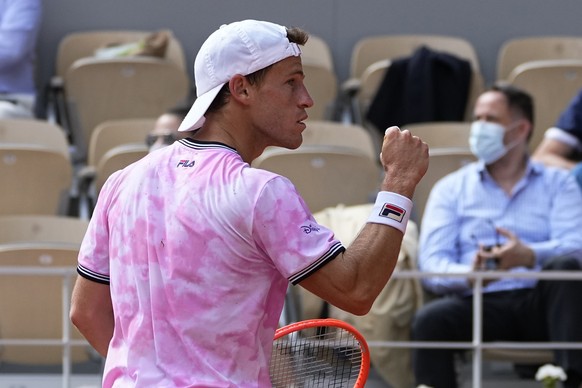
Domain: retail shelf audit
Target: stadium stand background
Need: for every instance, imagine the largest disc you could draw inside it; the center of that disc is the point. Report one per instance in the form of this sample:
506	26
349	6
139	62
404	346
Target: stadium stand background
486	24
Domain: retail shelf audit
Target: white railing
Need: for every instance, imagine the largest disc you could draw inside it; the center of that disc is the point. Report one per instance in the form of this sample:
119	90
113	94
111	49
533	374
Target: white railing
67	274
477	345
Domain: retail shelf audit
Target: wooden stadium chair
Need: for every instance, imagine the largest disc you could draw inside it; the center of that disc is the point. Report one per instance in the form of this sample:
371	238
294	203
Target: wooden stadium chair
115	159
110	134
106	136
442	134
333	133
552	84
82	44
317	52
42	229
442	161
325	175
516	51
113	133
32	304
34	180
98	90
322	86
320	77
34	132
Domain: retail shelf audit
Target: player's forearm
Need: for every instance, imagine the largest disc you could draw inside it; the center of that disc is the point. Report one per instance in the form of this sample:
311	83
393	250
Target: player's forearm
370	261
98	334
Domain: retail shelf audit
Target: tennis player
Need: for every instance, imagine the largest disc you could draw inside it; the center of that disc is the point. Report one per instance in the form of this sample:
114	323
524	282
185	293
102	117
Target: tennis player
188	255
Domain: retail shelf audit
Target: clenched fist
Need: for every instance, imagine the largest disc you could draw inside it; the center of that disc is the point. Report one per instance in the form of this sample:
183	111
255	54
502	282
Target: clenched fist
405	161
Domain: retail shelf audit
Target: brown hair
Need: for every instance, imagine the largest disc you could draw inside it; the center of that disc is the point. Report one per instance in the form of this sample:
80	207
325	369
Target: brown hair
520	103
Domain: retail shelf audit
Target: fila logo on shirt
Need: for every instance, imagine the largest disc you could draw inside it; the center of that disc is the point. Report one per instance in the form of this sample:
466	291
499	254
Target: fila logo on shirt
393	212
185	163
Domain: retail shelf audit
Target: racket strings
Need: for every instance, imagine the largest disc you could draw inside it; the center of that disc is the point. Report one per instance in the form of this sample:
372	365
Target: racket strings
316	357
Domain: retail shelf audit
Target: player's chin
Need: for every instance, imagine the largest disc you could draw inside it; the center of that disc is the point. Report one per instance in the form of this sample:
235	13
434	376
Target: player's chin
293	142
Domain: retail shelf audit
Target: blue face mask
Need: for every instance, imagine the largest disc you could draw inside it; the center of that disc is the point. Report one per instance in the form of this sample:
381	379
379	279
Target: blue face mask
486	141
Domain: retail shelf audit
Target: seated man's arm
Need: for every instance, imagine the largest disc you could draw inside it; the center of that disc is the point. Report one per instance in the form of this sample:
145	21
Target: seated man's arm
553	152
564	138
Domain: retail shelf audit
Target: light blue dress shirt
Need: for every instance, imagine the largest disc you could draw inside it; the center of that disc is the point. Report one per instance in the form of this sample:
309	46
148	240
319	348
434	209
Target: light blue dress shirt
544	211
19	24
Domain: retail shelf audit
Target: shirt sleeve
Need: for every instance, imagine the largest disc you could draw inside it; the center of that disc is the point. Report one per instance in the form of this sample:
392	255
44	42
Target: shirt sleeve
570	120
565	225
93	262
439	239
286	231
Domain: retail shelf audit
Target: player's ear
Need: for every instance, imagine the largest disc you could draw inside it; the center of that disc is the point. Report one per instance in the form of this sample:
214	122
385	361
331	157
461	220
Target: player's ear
239	88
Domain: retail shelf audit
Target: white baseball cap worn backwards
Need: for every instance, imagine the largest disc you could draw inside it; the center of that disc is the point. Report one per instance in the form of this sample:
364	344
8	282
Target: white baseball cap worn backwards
236	48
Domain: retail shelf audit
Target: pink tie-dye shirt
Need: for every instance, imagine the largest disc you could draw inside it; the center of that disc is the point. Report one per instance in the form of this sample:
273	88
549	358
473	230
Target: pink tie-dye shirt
198	249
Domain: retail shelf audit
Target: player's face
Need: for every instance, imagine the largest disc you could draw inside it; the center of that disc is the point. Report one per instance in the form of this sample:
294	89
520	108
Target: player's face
279	108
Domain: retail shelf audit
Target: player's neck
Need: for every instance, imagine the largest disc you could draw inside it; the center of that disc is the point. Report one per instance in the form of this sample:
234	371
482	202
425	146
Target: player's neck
231	134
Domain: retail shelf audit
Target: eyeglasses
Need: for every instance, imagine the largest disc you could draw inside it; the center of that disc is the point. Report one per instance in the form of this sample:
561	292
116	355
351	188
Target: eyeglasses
168	138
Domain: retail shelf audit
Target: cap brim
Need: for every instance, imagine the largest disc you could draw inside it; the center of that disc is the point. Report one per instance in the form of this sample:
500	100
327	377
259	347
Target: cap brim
195	117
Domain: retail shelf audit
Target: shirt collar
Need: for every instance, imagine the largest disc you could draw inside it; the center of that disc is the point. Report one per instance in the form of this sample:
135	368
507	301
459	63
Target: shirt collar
202	144
532	168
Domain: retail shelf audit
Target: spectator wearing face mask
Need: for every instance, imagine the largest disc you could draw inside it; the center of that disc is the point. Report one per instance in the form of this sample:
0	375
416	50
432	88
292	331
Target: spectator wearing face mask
165	130
508	213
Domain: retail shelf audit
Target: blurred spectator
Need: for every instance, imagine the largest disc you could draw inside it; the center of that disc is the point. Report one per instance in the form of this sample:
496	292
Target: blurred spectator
19	26
165	130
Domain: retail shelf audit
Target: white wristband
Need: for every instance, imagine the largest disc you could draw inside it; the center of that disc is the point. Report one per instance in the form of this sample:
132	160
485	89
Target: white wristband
391	209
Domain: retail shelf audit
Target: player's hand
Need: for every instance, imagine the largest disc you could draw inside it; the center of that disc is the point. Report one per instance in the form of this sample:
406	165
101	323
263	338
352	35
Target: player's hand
405	161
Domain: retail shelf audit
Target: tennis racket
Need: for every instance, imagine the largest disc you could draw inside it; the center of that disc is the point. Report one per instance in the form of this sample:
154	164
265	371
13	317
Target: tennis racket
319	353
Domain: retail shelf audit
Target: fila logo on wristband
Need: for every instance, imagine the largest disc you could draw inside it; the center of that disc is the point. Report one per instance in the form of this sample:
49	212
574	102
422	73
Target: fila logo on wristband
391	209
393	212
